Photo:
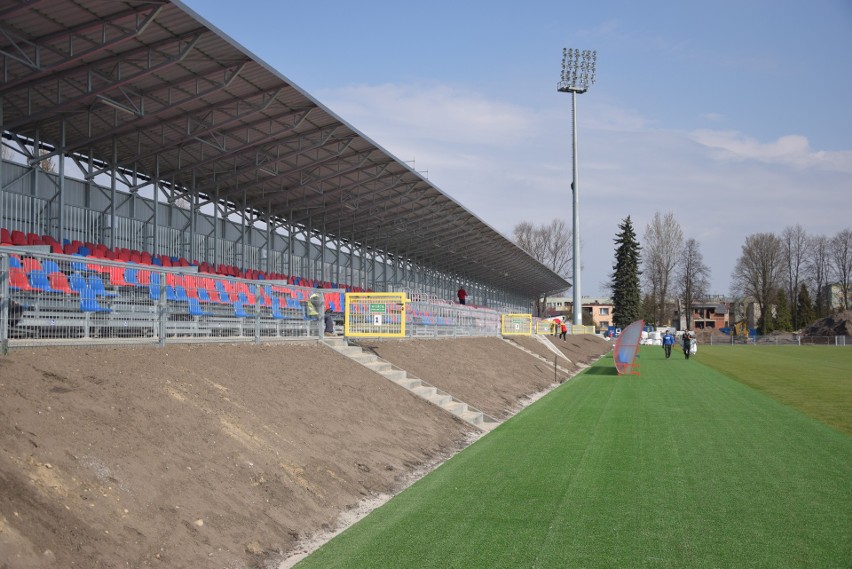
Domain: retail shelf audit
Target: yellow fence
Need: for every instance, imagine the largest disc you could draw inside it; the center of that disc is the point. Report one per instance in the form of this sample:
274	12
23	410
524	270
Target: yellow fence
375	314
545	327
516	325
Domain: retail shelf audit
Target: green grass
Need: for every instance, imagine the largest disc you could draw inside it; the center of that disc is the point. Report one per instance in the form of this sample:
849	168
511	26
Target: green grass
817	380
681	467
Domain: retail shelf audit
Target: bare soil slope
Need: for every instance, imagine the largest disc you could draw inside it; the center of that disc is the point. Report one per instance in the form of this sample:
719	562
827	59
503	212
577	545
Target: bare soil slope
222	455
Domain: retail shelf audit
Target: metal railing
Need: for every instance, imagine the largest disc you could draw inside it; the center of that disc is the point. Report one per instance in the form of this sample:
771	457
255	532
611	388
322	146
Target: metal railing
50	299
53	299
779	340
430	316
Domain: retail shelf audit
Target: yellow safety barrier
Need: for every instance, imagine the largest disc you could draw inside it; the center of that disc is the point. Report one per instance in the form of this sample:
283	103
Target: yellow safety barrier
543	327
516	325
375	314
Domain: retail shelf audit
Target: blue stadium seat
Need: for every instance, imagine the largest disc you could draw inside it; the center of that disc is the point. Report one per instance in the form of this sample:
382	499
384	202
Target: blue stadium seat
276	309
89	302
97	284
195	308
239	312
77	282
130	277
39	281
49	266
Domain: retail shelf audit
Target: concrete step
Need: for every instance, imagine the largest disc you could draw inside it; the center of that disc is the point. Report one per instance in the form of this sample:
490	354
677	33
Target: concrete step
456	408
348	351
412	384
440	400
363	358
397	375
379	366
473	417
424	391
409	383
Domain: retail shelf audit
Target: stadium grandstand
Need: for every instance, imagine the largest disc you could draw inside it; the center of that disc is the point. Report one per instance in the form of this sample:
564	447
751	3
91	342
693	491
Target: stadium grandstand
157	179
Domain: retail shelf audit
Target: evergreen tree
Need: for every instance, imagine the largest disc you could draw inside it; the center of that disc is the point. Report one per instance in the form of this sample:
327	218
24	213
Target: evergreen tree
626	296
804	307
783	318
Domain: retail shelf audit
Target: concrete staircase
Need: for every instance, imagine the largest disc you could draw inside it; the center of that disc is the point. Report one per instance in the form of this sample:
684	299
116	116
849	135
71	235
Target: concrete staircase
560	369
415	385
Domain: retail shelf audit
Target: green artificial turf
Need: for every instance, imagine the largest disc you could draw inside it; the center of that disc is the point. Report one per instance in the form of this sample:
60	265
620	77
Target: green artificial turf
815	379
681	467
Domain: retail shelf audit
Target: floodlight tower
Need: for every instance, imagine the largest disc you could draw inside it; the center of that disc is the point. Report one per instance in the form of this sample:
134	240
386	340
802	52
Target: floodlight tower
578	74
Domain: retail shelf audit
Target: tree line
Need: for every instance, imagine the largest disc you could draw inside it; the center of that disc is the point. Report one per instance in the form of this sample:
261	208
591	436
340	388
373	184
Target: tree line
794	278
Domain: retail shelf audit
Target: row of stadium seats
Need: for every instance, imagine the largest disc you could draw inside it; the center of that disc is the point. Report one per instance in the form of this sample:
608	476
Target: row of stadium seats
93	280
100	251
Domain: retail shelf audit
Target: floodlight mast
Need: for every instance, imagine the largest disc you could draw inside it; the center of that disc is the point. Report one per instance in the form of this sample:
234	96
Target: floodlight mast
578	74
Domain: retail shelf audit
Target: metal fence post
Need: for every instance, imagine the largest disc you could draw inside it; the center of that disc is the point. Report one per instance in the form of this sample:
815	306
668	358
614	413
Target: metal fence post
162	310
4	303
257	305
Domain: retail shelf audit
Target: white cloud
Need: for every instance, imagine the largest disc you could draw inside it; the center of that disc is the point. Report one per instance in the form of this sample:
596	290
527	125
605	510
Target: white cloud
791	150
508	164
431	112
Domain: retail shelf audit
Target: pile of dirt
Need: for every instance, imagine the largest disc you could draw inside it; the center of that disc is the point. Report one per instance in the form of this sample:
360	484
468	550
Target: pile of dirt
835	325
223	455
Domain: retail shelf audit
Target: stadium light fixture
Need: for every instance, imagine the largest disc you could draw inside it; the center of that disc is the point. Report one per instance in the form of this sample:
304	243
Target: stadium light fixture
578	74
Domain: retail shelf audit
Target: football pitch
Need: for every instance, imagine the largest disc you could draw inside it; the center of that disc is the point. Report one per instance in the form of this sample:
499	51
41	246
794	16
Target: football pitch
739	457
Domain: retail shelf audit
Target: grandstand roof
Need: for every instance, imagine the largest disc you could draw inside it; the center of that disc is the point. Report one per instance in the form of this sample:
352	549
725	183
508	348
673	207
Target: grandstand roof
152	88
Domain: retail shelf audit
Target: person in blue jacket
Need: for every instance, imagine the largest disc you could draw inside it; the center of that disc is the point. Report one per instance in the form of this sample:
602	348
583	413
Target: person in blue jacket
668	342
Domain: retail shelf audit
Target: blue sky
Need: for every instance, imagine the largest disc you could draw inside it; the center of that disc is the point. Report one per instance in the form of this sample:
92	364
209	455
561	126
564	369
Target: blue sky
735	116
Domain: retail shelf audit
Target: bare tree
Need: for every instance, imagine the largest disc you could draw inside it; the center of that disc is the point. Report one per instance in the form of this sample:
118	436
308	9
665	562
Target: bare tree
794	241
757	272
819	272
663	243
693	277
46	164
551	244
841	262
528	238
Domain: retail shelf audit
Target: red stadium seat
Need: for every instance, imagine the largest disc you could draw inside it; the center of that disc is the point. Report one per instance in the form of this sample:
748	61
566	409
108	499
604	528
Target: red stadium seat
59	283
30	264
116	276
18	279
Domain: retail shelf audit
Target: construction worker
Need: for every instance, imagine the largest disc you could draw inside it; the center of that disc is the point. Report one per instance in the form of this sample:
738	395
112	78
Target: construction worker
314	307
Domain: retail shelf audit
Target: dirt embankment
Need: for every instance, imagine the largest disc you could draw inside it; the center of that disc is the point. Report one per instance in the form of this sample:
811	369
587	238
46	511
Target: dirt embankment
835	325
222	455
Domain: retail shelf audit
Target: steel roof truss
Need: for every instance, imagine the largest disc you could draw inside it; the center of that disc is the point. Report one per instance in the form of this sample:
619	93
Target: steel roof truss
95	84
69	47
119	128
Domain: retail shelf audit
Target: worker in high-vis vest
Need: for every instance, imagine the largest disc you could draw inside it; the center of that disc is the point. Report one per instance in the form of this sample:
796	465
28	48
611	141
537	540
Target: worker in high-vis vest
313	308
